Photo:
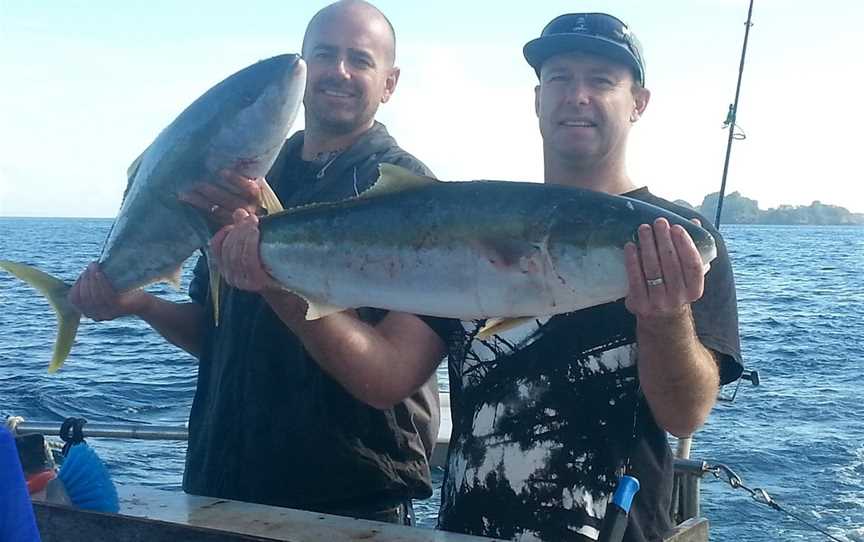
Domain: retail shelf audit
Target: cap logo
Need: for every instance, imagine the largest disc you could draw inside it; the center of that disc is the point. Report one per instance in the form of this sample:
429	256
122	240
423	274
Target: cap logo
580	25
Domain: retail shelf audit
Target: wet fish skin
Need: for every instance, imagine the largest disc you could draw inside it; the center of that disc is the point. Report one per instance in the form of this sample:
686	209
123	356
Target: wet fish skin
479	249
239	124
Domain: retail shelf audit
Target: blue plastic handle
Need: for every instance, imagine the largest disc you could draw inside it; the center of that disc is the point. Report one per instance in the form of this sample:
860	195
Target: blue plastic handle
624	493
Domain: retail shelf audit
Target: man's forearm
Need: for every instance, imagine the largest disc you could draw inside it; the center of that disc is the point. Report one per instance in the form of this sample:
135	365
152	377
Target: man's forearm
182	324
379	365
678	375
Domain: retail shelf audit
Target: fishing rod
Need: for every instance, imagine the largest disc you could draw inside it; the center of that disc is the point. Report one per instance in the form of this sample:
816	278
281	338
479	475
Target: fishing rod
732	116
683	450
730	123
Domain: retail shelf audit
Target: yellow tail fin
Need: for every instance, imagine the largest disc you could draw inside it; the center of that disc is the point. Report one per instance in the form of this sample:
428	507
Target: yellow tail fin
56	291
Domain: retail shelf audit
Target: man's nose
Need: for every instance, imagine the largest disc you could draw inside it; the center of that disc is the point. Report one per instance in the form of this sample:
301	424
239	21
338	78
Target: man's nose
341	68
578	93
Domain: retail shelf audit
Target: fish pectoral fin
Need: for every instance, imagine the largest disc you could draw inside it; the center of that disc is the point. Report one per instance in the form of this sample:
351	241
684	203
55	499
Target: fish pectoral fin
318	309
56	291
269	199
215	281
500	325
393	178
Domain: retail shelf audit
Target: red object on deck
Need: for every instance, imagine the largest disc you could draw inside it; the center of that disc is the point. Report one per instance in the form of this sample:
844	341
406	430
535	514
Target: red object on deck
36	482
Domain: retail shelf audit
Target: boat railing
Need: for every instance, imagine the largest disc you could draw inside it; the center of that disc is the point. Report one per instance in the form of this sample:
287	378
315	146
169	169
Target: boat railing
684	511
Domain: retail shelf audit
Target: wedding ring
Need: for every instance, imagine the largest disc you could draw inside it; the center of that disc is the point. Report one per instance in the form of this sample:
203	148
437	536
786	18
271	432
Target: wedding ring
654	282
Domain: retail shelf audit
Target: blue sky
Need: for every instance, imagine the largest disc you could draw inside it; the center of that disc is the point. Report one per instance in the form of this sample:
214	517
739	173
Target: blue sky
87	86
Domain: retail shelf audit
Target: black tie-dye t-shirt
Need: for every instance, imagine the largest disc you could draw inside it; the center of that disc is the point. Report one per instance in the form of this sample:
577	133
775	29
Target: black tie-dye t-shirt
547	414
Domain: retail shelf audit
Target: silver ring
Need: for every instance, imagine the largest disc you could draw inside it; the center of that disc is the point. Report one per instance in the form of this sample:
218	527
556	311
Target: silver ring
213	208
654	282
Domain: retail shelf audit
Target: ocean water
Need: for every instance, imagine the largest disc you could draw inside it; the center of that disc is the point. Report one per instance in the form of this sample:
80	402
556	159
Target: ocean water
799	436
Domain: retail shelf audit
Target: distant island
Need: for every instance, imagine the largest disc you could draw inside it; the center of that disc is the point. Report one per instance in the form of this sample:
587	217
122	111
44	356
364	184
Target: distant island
740	210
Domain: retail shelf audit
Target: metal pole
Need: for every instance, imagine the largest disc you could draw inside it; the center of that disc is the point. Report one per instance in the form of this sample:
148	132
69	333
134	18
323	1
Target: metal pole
733	113
133	431
683	449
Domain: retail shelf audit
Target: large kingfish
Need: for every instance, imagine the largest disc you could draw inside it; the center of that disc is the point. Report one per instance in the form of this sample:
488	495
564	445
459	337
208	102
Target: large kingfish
240	124
469	250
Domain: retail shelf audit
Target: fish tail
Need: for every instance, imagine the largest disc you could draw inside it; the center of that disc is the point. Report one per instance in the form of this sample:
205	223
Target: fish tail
56	291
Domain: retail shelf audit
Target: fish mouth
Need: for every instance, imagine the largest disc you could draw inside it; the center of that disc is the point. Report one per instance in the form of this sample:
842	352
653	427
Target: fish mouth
293	85
299	68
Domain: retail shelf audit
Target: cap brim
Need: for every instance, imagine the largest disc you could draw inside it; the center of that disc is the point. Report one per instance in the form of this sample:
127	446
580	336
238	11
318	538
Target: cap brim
539	50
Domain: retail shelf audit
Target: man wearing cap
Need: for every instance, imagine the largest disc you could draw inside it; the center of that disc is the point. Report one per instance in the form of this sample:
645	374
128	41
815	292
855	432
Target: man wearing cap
548	416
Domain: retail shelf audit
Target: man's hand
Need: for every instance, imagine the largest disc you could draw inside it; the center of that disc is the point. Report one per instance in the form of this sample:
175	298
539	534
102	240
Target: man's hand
235	250
665	272
219	201
94	296
678	375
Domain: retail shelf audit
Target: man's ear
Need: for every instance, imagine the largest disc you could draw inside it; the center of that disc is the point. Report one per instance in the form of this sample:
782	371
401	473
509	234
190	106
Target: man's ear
390	84
537	101
641	97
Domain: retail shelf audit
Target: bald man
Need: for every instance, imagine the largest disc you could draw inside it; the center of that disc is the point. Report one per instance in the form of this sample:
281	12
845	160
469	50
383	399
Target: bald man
287	412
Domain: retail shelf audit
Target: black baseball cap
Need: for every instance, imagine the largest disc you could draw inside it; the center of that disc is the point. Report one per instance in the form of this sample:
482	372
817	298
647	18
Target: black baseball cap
596	33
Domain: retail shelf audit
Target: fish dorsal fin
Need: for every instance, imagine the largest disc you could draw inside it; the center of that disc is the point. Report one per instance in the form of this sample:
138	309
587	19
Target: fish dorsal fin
132	170
393	179
499	325
133	167
269	199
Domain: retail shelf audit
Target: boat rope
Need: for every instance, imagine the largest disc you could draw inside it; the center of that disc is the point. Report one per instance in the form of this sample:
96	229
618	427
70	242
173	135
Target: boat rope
12	423
72	433
724	473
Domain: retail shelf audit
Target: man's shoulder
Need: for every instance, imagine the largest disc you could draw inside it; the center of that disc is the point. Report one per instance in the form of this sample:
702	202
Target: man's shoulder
380	147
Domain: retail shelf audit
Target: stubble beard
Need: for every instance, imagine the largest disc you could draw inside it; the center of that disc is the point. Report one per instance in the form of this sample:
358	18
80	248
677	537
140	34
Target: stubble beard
338	125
